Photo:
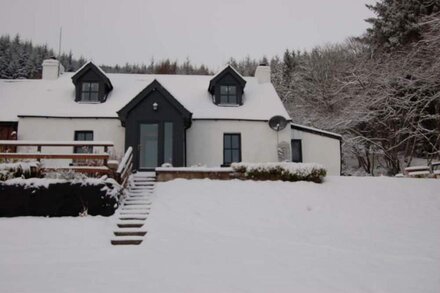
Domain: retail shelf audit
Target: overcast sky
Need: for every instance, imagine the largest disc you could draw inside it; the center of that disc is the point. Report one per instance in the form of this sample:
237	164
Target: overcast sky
206	31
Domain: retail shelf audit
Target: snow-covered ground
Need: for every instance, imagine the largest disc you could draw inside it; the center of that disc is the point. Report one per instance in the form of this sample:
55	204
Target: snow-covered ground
345	235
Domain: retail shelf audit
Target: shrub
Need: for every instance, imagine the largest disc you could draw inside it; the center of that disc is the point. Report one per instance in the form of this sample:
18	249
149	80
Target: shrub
20	169
59	197
281	171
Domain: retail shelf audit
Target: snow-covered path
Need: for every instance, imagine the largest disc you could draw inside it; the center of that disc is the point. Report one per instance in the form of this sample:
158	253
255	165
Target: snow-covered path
346	235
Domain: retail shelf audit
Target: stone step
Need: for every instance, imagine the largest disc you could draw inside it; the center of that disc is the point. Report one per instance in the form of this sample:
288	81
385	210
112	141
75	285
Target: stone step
127	240
133	217
129	232
130	224
138	198
137	202
147	194
136	207
140	191
143	178
135	198
143	183
134	212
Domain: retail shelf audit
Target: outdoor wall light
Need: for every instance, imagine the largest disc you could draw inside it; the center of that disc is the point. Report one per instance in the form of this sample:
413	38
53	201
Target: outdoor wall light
155	105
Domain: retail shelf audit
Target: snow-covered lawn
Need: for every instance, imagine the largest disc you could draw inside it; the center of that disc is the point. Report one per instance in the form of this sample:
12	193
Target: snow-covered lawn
345	235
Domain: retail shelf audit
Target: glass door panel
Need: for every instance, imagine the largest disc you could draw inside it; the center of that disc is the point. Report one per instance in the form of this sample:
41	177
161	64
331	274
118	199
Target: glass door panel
149	145
168	143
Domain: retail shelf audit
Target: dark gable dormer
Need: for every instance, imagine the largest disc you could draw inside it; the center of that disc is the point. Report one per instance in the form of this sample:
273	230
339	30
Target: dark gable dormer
91	84
227	87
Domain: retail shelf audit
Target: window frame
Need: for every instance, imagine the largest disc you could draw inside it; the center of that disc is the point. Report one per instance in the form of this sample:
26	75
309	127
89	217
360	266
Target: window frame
89	92
231	99
83	149
300	150
239	149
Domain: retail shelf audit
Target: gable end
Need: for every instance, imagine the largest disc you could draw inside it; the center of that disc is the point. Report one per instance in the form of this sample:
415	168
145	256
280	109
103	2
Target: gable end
152	87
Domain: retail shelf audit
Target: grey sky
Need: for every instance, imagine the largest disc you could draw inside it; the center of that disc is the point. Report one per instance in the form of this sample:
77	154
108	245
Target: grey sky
206	31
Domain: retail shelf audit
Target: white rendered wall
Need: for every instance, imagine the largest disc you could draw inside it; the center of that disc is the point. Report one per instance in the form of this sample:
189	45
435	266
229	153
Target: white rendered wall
62	129
320	149
258	141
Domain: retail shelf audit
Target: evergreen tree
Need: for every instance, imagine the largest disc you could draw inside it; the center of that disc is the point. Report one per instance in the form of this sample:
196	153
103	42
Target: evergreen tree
397	22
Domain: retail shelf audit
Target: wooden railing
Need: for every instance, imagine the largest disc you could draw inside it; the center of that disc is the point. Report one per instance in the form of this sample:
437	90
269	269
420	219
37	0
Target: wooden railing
122	173
432	169
101	168
124	168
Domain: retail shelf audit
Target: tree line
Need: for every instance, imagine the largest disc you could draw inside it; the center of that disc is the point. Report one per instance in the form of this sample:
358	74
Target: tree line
22	59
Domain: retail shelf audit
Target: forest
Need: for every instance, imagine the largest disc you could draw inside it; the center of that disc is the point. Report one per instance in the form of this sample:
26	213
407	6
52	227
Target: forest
380	90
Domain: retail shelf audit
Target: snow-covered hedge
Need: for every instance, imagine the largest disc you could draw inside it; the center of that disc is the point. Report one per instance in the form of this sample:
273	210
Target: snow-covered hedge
281	171
59	197
20	169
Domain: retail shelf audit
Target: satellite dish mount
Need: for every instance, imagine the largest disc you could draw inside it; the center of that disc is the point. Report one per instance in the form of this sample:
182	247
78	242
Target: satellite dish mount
277	123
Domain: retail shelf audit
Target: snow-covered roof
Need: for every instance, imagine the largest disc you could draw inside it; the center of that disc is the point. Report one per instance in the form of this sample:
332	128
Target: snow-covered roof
87	63
223	69
316	130
56	98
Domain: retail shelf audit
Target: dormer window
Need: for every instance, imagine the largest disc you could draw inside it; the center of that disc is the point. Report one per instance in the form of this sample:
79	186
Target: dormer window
227	87
91	84
90	92
228	95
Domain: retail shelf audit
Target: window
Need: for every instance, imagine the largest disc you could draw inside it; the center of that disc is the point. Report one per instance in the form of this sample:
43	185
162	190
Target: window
231	148
89	92
228	95
83	136
296	150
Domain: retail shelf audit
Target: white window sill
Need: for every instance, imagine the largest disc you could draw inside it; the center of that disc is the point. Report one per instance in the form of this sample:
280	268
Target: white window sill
86	102
229	105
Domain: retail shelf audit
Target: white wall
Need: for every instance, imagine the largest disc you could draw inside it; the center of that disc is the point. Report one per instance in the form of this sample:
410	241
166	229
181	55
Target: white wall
320	149
258	141
61	129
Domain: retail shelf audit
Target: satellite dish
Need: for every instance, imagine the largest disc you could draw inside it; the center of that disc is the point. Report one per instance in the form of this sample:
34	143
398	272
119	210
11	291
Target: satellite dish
277	123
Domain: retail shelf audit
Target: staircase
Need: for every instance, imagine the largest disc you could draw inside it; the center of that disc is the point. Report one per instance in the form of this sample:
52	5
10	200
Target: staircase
134	211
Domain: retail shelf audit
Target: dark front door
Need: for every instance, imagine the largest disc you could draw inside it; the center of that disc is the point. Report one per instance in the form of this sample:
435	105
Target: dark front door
155	144
155	126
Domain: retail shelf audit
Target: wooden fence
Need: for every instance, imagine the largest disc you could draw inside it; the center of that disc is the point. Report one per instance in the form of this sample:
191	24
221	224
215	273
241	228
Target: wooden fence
101	167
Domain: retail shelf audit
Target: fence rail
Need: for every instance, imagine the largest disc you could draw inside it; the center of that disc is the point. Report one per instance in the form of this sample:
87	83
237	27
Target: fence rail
99	167
430	170
122	173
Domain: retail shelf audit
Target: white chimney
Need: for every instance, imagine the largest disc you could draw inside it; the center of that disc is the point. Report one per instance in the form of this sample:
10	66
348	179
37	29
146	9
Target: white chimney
262	73
52	69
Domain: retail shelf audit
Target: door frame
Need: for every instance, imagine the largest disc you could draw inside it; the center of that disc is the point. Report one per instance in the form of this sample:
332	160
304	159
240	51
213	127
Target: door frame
160	142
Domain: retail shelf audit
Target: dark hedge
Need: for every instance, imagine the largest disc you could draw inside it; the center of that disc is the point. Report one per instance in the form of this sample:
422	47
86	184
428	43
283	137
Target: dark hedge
59	199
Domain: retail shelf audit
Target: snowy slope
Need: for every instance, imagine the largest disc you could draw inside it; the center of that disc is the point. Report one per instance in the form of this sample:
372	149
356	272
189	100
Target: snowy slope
345	235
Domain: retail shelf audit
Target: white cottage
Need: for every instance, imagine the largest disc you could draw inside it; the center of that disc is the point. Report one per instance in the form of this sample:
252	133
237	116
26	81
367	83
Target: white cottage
184	120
